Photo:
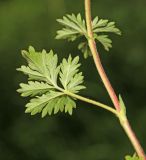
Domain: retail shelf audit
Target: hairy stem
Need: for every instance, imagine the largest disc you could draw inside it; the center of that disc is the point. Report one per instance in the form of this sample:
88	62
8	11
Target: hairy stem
92	44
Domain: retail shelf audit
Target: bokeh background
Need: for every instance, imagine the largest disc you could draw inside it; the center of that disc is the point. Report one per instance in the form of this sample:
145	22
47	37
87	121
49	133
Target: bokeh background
91	133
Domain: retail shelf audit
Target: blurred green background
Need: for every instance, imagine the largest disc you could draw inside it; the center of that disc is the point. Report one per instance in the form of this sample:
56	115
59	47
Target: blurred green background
91	133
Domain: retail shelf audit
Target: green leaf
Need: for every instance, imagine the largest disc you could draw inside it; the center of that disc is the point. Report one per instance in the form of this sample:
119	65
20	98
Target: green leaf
69	76
69	105
48	100
44	72
134	157
84	48
103	25
34	88
33	75
66	33
105	41
75	27
42	66
122	106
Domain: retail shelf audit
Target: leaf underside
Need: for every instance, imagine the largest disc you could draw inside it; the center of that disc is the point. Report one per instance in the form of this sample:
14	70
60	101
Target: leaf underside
47	82
74	27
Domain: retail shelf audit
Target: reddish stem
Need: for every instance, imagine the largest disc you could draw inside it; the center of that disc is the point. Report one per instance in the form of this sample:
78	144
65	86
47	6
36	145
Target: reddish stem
133	139
124	122
97	60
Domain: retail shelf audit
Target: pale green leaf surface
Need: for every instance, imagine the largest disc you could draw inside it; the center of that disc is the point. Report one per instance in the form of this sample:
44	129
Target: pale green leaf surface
45	100
75	27
42	66
69	76
44	72
34	88
33	75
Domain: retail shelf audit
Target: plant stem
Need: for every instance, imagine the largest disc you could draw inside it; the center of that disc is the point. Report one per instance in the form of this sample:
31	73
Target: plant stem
131	135
101	105
87	100
96	57
92	44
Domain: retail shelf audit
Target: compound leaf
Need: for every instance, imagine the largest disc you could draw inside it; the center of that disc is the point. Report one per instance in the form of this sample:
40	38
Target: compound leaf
44	72
75	27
